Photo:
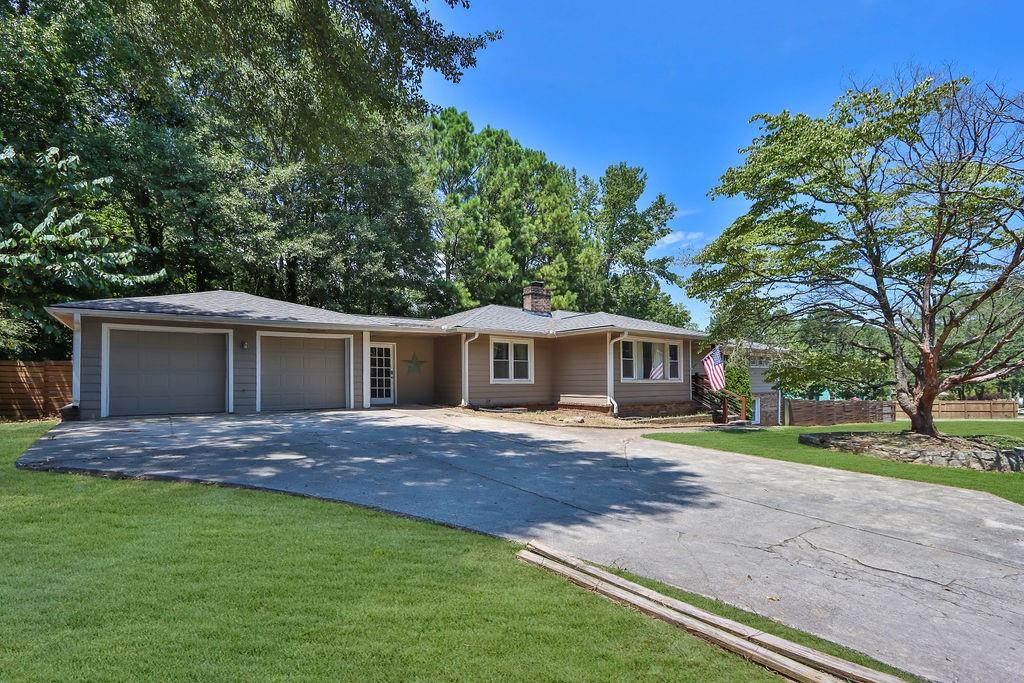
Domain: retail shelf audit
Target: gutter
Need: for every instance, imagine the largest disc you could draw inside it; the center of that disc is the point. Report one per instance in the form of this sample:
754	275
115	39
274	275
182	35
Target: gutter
611	371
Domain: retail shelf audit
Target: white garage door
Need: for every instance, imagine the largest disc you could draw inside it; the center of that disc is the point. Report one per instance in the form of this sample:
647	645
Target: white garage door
163	373
302	373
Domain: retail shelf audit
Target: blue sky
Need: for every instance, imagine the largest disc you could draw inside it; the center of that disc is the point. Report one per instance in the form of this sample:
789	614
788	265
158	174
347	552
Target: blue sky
671	86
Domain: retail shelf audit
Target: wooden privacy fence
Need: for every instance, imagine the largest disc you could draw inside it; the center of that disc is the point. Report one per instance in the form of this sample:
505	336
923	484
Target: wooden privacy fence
806	413
33	389
976	410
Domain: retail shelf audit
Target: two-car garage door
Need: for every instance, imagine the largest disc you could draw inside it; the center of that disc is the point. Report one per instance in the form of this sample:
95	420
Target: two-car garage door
152	371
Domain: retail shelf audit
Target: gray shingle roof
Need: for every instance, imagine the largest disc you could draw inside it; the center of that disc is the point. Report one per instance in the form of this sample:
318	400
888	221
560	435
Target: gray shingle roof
508	318
239	306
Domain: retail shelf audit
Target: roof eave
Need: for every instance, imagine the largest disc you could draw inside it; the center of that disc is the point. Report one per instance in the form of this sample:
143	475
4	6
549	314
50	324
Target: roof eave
59	311
598	329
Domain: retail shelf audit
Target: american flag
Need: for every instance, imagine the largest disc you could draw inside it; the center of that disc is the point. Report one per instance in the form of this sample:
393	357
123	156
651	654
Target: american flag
714	369
658	371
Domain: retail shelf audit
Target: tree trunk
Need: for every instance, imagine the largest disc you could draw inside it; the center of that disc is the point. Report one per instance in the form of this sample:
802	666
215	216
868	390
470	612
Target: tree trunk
923	420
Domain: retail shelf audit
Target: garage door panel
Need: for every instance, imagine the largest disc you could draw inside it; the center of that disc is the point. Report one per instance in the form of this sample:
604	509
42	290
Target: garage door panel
160	373
302	373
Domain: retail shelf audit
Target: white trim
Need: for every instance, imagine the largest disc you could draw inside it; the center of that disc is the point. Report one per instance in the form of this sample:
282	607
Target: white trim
229	380
465	366
394	373
76	361
260	334
366	368
610	365
528	342
653	340
690	371
757	411
350	369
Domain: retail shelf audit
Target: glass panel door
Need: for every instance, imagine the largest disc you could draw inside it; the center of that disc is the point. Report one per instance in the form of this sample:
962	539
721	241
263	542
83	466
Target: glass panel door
382	374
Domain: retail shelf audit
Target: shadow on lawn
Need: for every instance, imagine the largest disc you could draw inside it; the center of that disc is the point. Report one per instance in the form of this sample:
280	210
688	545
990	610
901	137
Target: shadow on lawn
505	484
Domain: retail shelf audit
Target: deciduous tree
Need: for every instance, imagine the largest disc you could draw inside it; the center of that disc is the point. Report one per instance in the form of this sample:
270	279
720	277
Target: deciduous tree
900	210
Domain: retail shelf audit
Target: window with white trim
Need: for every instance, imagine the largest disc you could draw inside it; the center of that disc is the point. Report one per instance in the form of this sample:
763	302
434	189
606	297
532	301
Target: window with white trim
650	361
511	361
759	361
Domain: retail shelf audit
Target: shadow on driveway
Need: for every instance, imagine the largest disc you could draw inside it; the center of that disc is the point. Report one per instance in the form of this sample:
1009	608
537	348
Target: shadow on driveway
505	484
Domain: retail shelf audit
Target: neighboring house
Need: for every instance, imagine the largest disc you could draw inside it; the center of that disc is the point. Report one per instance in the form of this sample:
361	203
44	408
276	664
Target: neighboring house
767	408
767	396
224	351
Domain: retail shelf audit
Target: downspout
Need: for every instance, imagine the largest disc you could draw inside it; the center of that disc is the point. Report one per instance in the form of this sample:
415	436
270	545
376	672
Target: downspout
611	371
465	367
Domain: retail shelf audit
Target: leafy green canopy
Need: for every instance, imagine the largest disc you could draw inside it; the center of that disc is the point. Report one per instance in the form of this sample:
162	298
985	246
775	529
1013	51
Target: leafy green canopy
898	211
266	146
50	244
280	148
508	215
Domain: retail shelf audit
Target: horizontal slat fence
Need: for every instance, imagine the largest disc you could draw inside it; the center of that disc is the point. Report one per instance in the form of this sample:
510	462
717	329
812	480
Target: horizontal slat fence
33	389
807	413
976	410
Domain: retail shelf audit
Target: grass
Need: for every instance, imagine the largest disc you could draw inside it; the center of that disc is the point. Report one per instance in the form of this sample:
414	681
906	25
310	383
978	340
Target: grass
780	443
105	579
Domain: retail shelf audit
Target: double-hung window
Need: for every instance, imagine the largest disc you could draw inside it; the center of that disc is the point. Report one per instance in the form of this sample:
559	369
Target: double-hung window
650	361
511	361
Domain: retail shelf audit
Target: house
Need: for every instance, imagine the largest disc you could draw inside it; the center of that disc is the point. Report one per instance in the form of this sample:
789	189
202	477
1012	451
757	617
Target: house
767	408
767	396
224	351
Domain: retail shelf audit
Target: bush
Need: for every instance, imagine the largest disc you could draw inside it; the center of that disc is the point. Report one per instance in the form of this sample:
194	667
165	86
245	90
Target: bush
737	380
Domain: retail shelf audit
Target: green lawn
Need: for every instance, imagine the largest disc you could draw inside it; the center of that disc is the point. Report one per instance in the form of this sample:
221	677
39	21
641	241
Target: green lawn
781	443
105	579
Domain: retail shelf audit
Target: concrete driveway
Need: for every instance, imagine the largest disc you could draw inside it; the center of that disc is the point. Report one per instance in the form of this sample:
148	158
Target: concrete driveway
927	578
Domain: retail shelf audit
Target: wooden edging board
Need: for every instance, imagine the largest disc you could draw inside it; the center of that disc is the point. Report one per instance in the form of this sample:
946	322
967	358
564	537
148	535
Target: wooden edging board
800	653
756	653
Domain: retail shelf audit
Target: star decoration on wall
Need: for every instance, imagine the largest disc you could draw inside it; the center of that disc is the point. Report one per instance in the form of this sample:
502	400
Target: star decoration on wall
414	365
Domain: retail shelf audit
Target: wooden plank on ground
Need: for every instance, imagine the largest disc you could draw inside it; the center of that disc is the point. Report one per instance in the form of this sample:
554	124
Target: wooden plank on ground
756	653
819	660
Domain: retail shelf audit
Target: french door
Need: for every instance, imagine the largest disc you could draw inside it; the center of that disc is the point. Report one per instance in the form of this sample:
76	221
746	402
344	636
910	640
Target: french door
382	374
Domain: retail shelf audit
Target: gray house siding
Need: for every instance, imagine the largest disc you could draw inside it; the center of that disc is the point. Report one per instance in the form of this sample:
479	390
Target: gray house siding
644	392
483	393
758	384
581	374
411	387
448	369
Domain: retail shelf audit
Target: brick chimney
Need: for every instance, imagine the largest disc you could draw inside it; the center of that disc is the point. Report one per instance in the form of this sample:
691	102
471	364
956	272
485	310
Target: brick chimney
537	298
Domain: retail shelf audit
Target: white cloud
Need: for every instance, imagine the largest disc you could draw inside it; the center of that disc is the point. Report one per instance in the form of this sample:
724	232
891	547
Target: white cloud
679	238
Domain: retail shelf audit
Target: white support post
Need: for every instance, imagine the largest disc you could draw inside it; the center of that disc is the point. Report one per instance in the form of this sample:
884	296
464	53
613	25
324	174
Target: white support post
689	373
611	370
351	379
465	367
76	361
366	369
